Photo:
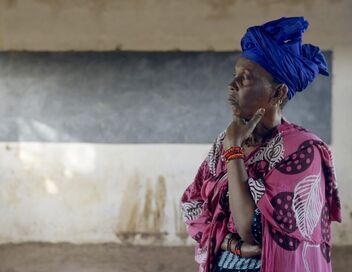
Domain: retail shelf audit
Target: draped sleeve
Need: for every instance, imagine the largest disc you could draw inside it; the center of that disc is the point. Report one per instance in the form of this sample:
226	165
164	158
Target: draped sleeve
192	203
202	203
298	200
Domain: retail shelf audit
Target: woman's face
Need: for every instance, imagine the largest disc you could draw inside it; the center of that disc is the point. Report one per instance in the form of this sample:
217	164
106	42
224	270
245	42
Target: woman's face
250	89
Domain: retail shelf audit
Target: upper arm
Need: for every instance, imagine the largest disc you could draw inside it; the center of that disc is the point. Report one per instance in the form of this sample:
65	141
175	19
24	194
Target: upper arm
292	196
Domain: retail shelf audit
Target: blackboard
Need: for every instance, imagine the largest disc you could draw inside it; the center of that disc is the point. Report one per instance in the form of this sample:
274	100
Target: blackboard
132	97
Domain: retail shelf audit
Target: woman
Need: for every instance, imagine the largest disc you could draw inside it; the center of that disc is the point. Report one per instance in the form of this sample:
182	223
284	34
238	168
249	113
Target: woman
264	198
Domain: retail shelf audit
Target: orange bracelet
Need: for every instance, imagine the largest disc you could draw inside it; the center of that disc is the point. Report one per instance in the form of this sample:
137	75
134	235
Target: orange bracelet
234	152
234	149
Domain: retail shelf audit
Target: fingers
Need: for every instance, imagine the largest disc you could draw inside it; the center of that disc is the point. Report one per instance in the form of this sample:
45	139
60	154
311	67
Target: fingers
256	118
239	120
243	121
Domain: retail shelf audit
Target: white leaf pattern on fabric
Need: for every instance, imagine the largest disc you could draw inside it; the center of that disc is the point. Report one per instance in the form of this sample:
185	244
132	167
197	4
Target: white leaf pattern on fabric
201	255
214	153
304	255
257	189
273	152
191	210
307	204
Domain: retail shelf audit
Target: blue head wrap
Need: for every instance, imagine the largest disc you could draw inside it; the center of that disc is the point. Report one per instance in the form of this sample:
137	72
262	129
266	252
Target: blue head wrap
277	47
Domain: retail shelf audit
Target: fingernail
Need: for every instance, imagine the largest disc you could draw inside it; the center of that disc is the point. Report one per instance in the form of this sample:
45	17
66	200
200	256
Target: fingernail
261	111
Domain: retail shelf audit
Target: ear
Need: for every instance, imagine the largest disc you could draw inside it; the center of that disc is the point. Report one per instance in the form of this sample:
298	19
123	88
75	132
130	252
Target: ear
280	94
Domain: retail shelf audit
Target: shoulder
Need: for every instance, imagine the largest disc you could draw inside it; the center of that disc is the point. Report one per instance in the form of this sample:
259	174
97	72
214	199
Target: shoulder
302	148
290	143
295	138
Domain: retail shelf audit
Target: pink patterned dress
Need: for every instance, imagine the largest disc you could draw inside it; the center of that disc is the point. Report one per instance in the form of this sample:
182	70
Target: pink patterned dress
292	181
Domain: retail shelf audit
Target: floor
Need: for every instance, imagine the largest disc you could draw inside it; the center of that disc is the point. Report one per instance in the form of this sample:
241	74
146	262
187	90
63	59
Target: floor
65	257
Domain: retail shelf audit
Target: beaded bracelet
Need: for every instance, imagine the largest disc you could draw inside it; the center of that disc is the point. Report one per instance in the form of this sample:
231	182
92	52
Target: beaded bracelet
234	152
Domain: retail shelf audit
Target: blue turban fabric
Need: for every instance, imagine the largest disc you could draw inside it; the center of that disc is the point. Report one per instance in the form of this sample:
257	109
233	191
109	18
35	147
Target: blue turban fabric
277	47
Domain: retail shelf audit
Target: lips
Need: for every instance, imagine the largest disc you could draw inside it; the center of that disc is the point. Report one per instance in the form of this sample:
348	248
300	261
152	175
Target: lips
233	101
236	109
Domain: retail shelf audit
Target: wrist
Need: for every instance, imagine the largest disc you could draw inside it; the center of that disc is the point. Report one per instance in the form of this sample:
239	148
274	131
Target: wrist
234	152
235	142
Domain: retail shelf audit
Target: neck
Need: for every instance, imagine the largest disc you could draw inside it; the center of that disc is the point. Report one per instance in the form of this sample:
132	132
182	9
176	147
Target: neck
266	126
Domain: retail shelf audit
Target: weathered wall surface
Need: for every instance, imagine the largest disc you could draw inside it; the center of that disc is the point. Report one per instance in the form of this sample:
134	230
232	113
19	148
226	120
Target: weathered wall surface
98	193
160	25
94	192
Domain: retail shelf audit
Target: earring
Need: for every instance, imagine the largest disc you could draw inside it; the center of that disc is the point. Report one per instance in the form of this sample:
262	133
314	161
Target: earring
278	103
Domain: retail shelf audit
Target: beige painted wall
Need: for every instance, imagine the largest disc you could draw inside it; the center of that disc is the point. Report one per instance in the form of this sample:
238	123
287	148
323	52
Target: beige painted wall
160	24
87	193
77	192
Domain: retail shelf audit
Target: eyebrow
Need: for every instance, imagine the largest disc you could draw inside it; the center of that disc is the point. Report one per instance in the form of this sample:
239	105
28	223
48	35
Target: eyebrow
246	71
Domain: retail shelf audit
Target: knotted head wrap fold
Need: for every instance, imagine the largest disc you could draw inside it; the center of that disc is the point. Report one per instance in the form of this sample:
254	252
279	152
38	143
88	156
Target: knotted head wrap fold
277	47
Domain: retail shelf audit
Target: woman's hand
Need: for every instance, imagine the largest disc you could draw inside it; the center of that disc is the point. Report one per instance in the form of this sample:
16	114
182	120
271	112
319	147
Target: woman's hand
247	250
239	130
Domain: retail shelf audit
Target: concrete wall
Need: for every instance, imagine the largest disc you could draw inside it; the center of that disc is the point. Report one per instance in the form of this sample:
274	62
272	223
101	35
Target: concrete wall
94	192
160	25
97	193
